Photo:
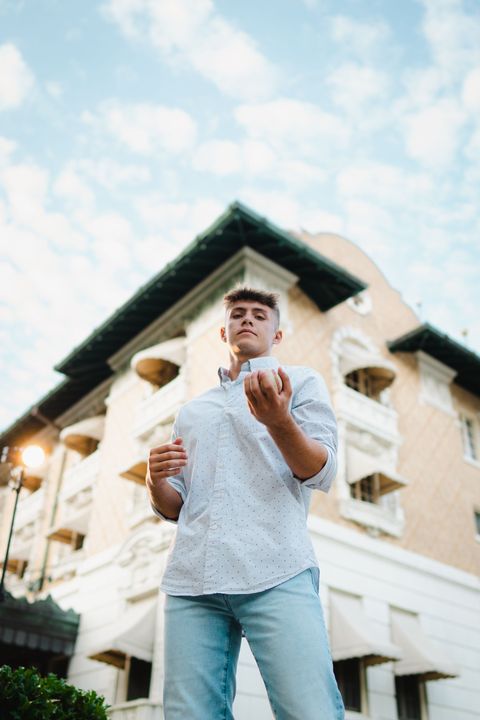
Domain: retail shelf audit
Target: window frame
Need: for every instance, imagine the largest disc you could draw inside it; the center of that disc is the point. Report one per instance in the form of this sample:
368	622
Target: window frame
469	432
362	683
422	698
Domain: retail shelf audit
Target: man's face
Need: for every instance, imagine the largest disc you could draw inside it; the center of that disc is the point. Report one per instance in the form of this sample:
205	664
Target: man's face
250	329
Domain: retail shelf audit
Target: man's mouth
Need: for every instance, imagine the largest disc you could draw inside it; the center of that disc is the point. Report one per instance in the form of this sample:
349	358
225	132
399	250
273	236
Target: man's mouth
250	332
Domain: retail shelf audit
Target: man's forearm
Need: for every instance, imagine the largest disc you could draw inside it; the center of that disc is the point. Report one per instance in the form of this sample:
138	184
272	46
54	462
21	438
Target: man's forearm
304	456
164	498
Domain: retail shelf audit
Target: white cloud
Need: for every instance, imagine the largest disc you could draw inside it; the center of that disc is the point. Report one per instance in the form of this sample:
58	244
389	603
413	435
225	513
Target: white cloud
422	87
355	85
146	128
177	222
70	186
360	37
433	135
471	91
191	32
7	148
220	157
54	89
300	127
112	174
387	184
453	37
16	78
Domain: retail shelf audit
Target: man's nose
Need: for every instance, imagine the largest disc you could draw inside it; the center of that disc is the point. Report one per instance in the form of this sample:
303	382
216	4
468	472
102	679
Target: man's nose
246	319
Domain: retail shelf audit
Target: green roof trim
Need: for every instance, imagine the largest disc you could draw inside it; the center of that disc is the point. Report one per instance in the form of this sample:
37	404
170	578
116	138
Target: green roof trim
441	347
326	283
322	280
40	625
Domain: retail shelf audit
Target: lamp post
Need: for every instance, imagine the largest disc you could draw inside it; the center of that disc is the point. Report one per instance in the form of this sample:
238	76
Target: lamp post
32	456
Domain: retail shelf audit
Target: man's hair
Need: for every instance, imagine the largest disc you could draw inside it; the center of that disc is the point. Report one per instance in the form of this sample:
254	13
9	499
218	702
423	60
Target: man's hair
262	297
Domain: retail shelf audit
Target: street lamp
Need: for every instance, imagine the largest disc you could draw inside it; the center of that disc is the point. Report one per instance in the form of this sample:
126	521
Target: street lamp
32	456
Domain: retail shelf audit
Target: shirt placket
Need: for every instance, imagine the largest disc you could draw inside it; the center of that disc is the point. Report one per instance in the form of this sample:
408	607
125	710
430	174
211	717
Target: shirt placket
214	538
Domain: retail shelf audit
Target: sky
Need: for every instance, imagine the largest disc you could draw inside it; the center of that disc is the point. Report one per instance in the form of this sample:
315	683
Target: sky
128	126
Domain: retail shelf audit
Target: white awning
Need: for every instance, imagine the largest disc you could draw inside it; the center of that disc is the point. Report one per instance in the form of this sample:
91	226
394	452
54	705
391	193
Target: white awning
75	525
159	364
132	635
420	657
136	471
353	635
360	465
85	435
382	371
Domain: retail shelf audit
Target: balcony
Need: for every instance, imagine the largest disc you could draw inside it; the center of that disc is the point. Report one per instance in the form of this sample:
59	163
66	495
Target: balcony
28	512
29	508
136	710
159	408
75	502
81	476
365	413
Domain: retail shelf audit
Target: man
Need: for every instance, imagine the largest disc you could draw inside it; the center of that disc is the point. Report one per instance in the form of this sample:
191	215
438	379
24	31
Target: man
237	478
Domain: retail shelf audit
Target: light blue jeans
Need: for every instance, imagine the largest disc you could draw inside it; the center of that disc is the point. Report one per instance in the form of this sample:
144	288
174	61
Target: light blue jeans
285	630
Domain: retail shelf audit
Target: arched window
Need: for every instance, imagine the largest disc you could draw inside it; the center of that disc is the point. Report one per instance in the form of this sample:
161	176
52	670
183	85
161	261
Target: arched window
363	369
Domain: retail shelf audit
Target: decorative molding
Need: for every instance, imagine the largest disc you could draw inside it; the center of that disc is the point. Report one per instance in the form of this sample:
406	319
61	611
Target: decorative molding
141	560
435	381
342	338
366	415
359	541
203	295
361	303
373	517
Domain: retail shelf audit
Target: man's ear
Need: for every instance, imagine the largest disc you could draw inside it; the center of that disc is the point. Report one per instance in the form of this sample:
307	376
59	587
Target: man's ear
223	334
277	338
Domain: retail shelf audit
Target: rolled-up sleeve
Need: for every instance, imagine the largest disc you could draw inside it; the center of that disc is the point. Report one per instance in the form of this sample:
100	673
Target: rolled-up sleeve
176	481
312	411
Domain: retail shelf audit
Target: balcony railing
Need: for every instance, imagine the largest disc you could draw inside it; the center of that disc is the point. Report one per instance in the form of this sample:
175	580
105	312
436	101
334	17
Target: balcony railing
136	710
159	407
29	508
81	476
366	413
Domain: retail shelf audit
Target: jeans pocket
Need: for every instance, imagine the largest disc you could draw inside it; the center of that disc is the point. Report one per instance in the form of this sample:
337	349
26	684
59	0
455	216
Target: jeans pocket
315	576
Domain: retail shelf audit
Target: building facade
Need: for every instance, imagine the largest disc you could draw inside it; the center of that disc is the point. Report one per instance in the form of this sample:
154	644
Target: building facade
397	537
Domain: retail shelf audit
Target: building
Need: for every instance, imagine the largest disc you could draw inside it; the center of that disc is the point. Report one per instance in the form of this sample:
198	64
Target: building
397	537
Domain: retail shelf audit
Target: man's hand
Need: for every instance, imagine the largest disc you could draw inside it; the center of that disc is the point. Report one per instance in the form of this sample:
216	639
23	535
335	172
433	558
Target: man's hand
166	460
266	404
304	456
163	462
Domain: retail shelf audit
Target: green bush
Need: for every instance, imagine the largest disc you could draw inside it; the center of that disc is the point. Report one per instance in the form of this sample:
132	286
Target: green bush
26	695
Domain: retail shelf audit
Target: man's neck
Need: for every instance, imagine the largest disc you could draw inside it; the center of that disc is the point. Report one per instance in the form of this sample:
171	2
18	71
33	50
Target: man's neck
236	362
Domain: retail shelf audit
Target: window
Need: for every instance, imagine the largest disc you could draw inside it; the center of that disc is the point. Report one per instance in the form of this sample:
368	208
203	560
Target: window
139	679
348	675
477	522
469	439
408	696
362	382
367	489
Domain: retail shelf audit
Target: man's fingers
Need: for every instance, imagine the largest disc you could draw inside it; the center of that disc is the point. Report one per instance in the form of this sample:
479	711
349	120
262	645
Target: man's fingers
287	385
255	387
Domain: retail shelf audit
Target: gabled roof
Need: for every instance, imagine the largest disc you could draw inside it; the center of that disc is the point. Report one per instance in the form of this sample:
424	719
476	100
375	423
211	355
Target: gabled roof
86	366
442	348
322	280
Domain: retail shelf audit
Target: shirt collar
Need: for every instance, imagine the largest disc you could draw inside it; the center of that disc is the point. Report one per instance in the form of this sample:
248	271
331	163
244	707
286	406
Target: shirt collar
259	363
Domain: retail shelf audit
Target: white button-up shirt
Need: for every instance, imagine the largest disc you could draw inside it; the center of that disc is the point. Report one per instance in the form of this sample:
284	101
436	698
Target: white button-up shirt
242	527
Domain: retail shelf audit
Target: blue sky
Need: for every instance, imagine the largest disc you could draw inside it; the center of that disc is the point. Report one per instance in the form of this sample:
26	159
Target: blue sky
127	126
